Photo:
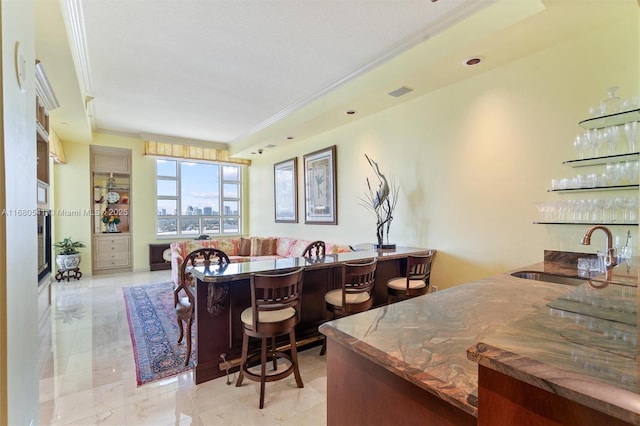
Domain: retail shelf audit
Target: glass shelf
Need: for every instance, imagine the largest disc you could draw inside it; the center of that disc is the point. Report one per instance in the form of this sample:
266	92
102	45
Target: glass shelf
587	223
116	188
596	188
611	119
602	160
99	203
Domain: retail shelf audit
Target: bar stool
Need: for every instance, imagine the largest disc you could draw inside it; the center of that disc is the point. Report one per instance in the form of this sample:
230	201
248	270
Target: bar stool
184	304
315	250
274	311
416	280
355	294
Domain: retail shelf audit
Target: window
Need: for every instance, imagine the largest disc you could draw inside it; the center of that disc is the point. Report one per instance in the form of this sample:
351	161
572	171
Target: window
195	198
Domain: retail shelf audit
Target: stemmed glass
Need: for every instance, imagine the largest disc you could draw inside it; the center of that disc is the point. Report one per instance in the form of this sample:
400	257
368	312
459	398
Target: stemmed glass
614	173
595	141
581	144
611	136
607	203
631	130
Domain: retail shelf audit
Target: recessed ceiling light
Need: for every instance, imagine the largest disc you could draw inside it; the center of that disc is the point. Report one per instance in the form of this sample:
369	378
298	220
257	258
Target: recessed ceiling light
472	61
350	112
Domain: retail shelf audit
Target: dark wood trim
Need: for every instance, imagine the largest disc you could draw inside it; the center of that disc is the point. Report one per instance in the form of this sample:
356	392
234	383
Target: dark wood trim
361	392
505	401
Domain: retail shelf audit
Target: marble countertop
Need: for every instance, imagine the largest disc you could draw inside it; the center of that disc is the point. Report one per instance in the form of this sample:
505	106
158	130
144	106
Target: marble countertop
503	320
240	270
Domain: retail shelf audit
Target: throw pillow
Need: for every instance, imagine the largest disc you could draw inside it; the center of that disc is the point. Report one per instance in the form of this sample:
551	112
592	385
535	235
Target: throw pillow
263	246
245	247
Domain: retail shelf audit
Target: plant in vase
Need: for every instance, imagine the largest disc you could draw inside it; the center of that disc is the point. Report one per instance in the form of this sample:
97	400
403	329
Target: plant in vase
68	255
381	202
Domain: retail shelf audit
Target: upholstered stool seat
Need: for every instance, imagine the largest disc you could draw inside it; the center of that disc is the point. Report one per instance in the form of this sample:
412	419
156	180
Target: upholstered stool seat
400	284
334	298
274	311
267	317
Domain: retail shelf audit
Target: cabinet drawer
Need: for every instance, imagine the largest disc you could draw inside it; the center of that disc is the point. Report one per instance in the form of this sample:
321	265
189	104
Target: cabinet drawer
112	263
109	245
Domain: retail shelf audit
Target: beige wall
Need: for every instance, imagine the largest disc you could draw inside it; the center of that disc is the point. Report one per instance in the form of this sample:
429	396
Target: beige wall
18	266
73	192
471	159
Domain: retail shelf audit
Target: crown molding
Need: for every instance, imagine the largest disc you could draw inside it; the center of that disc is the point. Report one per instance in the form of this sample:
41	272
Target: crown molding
44	90
74	22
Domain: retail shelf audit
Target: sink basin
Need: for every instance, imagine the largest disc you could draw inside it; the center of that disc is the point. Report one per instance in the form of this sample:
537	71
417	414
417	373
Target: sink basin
550	278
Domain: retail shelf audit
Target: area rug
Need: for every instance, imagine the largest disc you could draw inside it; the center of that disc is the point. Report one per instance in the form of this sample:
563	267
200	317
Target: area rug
154	332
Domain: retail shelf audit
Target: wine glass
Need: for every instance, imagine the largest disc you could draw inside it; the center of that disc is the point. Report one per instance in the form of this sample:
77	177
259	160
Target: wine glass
618	204
607	203
594	138
612	103
611	136
631	130
581	143
614	173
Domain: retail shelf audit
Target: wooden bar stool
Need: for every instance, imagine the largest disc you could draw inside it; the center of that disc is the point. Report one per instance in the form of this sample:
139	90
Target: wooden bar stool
184	304
416	280
274	311
315	249
355	294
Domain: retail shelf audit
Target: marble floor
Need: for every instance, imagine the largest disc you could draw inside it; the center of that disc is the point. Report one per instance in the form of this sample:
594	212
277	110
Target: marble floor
87	371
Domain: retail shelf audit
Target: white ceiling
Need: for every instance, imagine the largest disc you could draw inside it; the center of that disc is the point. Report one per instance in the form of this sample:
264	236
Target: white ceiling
249	73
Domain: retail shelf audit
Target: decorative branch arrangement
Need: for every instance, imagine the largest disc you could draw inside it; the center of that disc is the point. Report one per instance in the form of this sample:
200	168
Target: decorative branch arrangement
381	202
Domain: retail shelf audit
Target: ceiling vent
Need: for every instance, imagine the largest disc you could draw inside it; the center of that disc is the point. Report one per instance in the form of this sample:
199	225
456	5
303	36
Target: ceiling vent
400	92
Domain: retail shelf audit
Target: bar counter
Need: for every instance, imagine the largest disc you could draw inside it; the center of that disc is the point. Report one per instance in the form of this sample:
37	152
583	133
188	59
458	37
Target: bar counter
532	332
223	293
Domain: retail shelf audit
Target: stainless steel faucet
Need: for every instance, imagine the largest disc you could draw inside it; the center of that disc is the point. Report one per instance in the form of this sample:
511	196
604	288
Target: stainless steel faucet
610	258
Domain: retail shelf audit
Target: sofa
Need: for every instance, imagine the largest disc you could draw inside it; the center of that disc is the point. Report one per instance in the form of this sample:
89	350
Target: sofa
246	249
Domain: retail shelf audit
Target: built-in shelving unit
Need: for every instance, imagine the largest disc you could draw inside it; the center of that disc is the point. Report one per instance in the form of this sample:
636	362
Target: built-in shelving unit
111	201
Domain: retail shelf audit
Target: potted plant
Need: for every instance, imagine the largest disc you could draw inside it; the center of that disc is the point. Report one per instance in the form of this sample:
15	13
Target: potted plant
68	255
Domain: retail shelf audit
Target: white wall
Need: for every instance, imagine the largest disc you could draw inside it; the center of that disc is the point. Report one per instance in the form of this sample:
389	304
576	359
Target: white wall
18	285
471	159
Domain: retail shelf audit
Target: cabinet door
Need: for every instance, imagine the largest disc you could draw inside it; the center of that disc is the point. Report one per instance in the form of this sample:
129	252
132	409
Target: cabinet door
111	163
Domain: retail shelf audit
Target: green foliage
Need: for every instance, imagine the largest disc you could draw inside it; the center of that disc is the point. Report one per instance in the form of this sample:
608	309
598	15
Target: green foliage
67	246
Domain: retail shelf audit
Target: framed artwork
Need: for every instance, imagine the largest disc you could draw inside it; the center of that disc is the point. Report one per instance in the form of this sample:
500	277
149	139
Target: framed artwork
320	187
285	190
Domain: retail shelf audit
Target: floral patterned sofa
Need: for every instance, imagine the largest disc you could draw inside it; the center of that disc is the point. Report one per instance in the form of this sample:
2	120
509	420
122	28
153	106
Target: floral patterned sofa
246	249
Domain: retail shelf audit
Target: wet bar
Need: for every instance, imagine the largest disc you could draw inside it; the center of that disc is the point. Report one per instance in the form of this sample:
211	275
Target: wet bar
572	346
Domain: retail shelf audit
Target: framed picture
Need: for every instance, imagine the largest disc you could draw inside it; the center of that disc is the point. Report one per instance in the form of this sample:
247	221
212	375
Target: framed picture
320	187
285	190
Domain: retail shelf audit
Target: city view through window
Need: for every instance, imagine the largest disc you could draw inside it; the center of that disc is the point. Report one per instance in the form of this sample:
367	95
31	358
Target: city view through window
196	198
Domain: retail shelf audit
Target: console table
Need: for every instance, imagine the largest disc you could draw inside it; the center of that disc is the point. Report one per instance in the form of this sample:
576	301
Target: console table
222	295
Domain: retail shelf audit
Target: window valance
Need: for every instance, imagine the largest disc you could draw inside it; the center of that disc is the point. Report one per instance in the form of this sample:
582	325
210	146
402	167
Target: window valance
166	149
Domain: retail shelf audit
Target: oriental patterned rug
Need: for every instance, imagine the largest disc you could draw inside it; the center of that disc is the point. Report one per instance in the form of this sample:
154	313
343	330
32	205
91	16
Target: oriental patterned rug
154	332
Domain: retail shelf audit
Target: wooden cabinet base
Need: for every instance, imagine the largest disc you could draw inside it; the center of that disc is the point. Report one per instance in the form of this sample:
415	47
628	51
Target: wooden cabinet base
360	392
505	401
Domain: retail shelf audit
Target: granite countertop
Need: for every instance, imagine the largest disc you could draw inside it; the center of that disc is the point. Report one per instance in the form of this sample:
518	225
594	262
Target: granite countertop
241	270
582	346
503	320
